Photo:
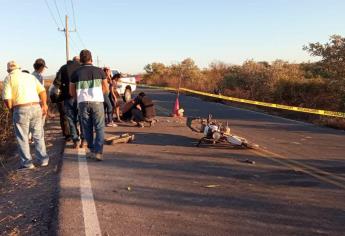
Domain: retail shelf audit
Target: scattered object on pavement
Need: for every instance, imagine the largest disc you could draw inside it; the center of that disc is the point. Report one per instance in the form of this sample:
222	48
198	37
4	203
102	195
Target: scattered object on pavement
123	138
212	186
216	133
249	161
129	188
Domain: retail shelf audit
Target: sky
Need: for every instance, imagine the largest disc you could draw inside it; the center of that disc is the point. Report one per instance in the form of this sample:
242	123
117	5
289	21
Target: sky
128	34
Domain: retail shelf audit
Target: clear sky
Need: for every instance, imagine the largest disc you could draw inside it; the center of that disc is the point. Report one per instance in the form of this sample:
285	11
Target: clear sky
128	34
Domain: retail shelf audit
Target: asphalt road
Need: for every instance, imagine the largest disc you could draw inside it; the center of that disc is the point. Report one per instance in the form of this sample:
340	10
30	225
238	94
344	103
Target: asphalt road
162	184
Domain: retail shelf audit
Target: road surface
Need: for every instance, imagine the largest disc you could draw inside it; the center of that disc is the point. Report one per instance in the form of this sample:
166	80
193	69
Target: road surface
162	184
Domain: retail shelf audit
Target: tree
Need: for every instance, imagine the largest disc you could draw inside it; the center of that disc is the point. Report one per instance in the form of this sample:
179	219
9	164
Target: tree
332	55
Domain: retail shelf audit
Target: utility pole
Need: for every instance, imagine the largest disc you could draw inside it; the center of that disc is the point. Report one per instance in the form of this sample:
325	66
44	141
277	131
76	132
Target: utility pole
67	31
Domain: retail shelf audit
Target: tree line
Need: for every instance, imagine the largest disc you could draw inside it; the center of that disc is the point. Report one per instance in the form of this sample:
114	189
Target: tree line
318	84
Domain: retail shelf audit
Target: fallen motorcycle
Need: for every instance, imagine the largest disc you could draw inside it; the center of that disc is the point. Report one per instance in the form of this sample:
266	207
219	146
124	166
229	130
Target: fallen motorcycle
215	133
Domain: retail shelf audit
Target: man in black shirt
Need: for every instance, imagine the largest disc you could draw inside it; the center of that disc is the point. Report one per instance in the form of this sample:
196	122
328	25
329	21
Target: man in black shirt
69	103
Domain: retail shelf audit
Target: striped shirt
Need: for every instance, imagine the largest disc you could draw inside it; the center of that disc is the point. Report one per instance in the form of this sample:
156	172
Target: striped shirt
88	81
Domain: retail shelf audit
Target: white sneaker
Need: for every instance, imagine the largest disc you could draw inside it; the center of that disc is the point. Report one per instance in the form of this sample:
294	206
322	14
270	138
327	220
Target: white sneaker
30	167
111	124
45	162
99	156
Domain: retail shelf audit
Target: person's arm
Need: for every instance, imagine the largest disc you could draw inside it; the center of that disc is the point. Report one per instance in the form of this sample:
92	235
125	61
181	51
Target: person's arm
8	103
43	98
41	91
104	86
112	91
7	94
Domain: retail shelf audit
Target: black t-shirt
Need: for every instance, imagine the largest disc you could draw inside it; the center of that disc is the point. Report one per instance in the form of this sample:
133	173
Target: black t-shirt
63	77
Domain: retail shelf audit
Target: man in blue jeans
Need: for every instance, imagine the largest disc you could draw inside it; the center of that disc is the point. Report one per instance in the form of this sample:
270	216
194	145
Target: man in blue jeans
88	84
26	97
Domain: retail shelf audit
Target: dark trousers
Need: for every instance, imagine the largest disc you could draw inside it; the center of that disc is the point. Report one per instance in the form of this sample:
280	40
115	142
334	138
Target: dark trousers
137	115
63	120
108	109
71	110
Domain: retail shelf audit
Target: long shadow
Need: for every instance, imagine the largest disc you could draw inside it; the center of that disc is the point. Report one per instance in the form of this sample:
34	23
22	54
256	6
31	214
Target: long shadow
196	168
161	139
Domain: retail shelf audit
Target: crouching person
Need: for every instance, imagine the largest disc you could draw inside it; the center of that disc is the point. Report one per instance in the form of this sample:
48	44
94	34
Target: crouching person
88	83
22	94
144	110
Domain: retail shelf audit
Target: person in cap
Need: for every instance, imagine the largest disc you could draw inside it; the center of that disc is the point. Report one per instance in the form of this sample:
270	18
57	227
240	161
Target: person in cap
39	67
22	94
88	84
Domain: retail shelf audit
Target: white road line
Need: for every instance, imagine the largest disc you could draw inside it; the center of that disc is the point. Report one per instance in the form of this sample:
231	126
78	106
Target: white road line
91	222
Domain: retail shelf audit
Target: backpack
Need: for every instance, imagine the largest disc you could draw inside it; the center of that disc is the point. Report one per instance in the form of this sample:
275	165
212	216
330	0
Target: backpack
54	91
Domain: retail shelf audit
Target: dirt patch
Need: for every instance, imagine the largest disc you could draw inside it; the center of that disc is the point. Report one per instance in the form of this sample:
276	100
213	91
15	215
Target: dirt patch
29	198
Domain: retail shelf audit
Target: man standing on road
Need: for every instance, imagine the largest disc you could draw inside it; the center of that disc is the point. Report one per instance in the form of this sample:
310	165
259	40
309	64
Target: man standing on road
39	67
63	79
22	94
88	85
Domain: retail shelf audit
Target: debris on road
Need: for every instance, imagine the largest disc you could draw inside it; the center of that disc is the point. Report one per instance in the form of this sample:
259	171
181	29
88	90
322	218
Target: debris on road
212	186
129	189
123	138
249	161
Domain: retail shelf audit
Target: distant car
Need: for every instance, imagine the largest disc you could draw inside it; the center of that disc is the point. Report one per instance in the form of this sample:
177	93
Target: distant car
125	86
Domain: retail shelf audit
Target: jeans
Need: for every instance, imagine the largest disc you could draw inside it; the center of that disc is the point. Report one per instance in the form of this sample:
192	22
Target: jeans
71	111
29	119
108	108
137	115
92	117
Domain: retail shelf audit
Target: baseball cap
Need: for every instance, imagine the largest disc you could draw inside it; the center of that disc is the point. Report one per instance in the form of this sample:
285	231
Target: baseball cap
12	65
40	62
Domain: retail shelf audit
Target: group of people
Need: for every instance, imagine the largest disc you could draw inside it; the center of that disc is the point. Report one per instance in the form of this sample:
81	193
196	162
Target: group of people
88	101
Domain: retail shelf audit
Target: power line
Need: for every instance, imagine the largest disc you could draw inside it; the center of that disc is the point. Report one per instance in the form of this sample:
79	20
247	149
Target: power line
75	24
58	11
51	14
66	8
76	48
82	42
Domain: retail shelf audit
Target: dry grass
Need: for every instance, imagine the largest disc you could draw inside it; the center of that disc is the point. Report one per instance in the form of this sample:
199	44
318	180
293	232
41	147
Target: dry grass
277	82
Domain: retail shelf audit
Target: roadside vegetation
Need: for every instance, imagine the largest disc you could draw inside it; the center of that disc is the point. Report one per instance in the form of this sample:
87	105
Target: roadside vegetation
319	85
5	129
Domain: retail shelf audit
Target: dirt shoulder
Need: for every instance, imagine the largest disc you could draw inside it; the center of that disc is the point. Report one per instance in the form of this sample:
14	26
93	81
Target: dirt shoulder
28	199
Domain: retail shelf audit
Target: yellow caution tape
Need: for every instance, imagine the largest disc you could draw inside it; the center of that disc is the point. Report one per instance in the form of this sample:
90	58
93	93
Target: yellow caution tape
264	104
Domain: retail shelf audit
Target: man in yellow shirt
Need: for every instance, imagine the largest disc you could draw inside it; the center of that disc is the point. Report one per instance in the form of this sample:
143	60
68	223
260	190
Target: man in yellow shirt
22	94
